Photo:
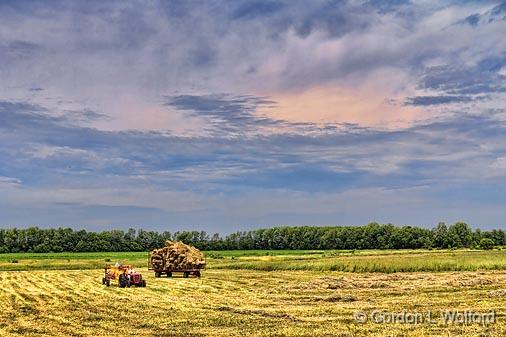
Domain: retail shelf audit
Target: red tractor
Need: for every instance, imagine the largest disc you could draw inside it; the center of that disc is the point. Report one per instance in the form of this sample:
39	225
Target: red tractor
125	275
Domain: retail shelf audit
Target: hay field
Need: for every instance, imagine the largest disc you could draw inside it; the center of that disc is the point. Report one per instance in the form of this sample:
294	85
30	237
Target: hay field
247	302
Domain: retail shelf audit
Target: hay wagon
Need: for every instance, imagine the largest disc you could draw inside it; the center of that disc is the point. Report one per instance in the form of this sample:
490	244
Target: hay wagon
176	257
169	272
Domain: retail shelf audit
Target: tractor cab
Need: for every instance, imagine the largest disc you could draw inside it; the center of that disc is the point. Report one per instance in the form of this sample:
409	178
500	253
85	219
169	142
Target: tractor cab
136	280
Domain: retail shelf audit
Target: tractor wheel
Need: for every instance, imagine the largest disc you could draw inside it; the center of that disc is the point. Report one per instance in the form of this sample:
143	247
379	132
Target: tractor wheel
186	274
107	282
143	284
103	280
169	274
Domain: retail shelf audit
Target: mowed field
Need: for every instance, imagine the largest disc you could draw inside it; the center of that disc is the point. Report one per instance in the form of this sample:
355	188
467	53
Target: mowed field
258	293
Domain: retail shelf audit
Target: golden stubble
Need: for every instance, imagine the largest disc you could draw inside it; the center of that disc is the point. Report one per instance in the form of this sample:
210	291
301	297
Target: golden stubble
243	303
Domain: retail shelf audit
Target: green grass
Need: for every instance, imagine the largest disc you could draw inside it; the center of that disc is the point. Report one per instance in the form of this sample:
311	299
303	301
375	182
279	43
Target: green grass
69	261
385	263
382	261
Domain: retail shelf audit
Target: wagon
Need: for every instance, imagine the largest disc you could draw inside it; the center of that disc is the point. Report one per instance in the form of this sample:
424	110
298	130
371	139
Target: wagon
170	271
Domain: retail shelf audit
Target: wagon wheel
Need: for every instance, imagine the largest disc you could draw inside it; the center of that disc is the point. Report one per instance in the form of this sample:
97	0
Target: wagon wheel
158	274
169	274
185	275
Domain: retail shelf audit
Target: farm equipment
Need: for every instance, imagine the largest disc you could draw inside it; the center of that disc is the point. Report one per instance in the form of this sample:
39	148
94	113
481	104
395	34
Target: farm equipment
176	257
126	276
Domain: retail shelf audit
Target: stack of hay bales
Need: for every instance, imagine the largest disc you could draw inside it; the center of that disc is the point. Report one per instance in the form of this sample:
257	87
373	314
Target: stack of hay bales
177	256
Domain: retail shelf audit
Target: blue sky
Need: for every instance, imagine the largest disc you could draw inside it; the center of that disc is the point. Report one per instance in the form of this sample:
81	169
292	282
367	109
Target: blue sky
231	115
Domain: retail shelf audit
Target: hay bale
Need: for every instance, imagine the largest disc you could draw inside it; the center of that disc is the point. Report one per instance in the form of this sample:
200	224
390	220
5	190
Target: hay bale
177	255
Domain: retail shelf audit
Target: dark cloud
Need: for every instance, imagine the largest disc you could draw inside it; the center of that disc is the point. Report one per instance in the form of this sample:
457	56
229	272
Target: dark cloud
497	13
462	80
19	107
437	100
499	9
15	51
252	9
473	19
492	64
388	5
335	18
20	117
229	115
225	111
86	115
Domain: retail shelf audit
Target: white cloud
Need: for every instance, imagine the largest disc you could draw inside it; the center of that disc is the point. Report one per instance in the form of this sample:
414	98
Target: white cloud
9	182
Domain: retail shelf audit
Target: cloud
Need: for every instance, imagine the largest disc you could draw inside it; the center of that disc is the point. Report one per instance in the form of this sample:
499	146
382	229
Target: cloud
84	116
329	160
500	163
16	50
253	9
8	181
497	13
436	100
321	105
229	113
251	112
458	80
19	107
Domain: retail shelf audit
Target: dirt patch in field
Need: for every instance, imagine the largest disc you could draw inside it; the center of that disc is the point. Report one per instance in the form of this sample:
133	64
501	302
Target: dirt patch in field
471	282
497	293
375	285
397	277
336	298
258	312
334	283
325	282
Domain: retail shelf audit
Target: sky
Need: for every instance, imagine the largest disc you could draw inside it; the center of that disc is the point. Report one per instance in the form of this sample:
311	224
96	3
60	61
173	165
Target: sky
234	115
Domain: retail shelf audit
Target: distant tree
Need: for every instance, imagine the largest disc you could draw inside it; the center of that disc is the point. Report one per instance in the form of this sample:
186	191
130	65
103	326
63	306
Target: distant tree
440	235
487	244
371	236
460	235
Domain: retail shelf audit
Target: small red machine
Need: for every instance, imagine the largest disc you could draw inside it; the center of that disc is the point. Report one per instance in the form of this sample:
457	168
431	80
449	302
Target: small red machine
125	274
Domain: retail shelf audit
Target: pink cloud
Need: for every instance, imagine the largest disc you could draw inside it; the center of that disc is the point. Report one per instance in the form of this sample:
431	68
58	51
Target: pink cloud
339	104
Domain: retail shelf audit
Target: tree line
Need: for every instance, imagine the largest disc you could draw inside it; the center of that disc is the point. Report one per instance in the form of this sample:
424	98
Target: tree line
371	236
